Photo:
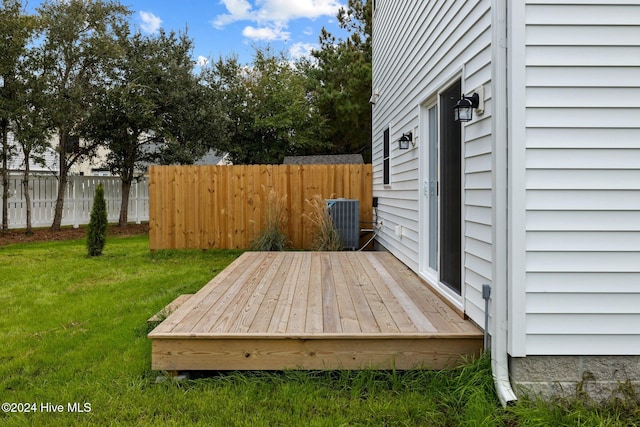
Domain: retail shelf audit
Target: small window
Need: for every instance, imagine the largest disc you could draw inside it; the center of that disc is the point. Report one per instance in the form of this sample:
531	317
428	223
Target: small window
385	159
73	144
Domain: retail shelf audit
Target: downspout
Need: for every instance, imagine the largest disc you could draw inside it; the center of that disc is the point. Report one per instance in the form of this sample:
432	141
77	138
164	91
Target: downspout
500	300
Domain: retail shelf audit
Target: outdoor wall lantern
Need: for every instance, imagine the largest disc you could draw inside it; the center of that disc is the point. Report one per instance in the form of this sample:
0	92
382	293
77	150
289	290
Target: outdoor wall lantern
463	110
374	97
405	139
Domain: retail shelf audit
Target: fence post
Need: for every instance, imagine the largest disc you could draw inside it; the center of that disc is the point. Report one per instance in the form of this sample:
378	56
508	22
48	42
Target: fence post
2	207
137	202
74	200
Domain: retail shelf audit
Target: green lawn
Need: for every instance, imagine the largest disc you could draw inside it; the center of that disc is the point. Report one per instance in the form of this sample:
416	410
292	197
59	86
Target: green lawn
73	331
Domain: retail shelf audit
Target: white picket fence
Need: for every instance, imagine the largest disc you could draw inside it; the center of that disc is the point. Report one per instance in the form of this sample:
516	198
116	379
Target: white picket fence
78	200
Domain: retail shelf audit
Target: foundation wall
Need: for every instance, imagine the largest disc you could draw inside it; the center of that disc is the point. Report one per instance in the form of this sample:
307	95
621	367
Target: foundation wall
599	377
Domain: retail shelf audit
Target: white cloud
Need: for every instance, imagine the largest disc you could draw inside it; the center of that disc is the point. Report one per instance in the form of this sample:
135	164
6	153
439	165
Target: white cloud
273	15
300	50
239	10
265	33
201	61
150	22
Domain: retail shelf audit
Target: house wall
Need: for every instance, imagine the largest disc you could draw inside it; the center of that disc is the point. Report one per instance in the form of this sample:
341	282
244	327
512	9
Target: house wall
580	123
16	162
419	48
87	166
573	172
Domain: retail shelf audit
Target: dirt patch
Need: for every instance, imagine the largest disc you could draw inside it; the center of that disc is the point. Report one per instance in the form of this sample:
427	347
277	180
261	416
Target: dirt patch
67	233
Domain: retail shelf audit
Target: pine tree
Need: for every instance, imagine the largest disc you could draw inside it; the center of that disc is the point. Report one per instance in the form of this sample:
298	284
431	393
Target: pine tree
97	229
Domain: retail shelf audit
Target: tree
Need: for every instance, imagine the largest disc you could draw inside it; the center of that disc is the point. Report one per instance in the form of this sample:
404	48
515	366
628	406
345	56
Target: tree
153	111
31	126
97	228
191	119
16	30
282	113
78	53
267	109
124	113
225	82
339	82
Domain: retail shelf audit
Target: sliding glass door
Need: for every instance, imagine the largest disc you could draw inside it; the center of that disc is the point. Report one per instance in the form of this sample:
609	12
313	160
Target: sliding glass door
442	191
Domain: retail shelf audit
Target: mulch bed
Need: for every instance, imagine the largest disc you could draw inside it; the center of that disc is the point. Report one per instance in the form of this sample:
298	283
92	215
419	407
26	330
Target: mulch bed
67	233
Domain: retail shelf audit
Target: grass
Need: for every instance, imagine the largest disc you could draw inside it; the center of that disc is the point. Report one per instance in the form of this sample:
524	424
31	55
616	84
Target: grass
73	329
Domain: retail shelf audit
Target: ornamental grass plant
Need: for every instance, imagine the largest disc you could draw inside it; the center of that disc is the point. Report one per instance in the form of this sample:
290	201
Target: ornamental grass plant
272	237
326	237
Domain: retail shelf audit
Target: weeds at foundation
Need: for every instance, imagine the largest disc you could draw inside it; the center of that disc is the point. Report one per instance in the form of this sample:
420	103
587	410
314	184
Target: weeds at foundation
622	409
626	401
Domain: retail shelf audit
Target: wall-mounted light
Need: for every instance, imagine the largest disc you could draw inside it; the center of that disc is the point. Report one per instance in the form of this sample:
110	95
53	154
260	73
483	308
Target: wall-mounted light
374	97
405	139
463	110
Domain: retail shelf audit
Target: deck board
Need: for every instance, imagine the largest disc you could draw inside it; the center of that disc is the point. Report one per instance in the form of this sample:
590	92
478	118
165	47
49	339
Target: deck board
206	303
373	299
348	315
282	311
366	319
313	310
298	317
331	312
314	322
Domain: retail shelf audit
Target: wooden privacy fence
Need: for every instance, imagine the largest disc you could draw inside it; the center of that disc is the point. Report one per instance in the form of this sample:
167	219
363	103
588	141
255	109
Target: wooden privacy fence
223	207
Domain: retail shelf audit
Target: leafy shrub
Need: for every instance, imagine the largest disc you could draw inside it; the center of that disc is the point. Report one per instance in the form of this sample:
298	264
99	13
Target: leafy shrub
97	229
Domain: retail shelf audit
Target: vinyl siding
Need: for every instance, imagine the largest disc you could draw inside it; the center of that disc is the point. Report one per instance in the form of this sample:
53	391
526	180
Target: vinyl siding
16	162
418	49
582	183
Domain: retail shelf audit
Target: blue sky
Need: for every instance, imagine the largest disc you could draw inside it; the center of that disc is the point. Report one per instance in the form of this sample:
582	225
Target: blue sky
226	27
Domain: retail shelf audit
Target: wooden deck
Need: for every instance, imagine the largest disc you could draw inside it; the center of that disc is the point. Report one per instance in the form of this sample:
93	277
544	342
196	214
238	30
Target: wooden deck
313	310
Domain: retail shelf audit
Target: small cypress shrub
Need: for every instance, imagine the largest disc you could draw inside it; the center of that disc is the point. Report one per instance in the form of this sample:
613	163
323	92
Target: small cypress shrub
97	229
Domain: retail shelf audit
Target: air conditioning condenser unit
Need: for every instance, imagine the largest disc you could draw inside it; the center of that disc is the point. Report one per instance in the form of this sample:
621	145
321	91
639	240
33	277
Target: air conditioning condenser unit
345	214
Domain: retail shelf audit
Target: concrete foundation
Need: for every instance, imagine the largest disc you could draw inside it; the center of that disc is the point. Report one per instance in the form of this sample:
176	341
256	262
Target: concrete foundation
601	378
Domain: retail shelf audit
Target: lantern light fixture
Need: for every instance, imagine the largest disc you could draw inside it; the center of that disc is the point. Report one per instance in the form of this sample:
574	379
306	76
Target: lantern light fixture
405	139
463	110
374	97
